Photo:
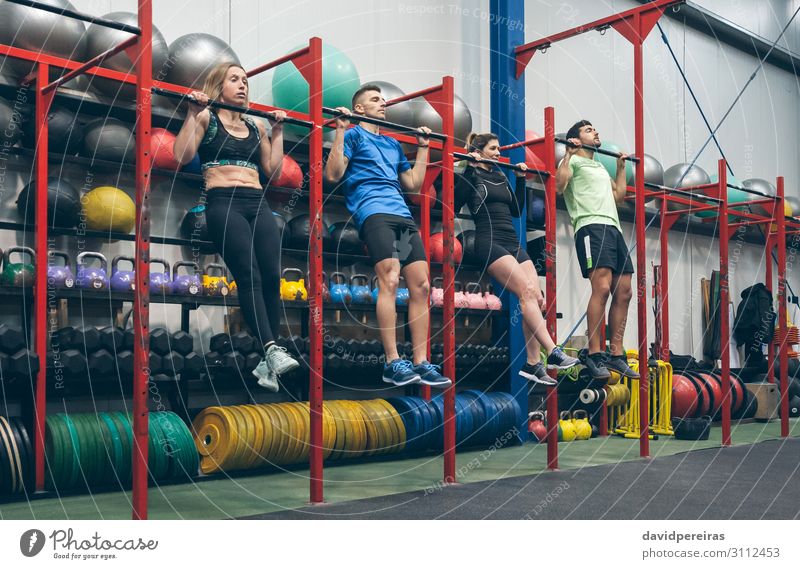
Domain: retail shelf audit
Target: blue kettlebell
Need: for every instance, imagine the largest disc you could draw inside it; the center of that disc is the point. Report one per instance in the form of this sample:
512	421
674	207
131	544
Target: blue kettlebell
402	293
188	284
60	276
361	292
160	283
340	292
123	281
375	289
93	278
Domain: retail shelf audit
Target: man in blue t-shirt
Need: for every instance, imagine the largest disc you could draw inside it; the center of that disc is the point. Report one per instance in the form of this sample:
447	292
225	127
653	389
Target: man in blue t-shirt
374	170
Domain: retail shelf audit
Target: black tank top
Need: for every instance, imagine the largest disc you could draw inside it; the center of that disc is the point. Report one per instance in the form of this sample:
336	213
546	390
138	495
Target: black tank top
491	202
220	148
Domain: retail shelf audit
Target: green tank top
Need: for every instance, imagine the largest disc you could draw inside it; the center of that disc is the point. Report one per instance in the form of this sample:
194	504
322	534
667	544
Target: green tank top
588	195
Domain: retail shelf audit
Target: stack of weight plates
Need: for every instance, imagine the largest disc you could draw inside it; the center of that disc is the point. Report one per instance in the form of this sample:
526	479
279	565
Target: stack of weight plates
16	458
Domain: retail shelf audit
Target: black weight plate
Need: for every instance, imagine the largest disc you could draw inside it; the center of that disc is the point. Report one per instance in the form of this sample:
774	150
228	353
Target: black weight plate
26	458
7	475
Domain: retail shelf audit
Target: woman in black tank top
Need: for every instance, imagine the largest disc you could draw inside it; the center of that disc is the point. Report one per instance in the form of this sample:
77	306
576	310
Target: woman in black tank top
233	151
493	203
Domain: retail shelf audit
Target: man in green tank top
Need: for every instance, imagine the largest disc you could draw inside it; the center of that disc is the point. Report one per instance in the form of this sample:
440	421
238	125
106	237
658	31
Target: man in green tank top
591	197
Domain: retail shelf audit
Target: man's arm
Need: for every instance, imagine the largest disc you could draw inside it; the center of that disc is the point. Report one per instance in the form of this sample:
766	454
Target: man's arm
337	161
564	171
411	180
620	185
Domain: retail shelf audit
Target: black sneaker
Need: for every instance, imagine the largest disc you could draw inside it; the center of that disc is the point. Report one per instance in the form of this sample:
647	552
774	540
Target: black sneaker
596	364
400	372
559	360
620	365
431	374
537	374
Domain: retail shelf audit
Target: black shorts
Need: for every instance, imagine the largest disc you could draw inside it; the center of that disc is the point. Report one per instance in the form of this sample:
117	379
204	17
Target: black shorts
600	245
392	237
488	250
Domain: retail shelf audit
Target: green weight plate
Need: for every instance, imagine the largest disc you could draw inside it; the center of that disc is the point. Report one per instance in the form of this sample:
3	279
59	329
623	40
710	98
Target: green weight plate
90	449
166	444
87	464
159	464
54	453
125	437
107	450
73	451
115	450
7	461
179	457
27	452
192	458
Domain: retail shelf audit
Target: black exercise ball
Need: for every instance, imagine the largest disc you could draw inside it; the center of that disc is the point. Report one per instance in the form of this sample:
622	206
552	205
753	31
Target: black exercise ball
109	139
467	239
344	238
282	231
63	203
194	228
64	133
299	230
10	127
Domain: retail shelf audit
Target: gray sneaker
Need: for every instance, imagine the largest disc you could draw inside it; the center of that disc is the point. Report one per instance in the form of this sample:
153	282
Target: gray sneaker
279	360
620	365
266	377
596	364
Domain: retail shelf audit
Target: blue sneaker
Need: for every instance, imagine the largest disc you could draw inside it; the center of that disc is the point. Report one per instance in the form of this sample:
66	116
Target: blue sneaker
400	372
559	360
431	374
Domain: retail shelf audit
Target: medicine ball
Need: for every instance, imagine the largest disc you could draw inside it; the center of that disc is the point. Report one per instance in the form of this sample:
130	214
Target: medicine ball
64	133
193	166
536	210
109	139
161	143
107	208
194	228
299	231
344	238
10	127
63	203
291	175
467	239
437	249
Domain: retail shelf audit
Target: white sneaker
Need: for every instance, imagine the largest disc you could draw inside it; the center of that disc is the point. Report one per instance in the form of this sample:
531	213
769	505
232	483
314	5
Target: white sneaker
279	360
266	377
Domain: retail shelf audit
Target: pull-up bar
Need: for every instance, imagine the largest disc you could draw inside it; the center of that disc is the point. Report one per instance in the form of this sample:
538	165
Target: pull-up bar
78	16
227	107
507	165
383	123
597	149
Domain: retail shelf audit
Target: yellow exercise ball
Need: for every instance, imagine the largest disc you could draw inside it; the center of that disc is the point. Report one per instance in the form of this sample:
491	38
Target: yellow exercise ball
107	208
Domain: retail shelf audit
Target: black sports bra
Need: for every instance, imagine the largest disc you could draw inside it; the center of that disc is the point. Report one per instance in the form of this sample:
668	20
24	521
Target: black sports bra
220	148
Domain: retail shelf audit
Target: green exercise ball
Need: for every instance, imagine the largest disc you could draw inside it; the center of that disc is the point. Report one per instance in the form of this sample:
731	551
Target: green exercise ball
339	82
734	196
610	163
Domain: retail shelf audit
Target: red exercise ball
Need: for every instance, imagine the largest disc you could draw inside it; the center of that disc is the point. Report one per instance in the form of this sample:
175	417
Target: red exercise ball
684	397
291	175
416	199
161	143
531	159
437	248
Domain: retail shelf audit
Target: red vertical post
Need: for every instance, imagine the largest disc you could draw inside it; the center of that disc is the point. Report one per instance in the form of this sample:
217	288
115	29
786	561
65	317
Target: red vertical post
448	319
771	243
551	400
314	78
641	265
43	102
425	231
783	329
663	283
725	341
141	302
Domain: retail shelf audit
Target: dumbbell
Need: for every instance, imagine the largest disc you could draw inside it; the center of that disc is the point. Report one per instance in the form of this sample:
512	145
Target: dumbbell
251	361
193	362
125	363
437	359
233	361
159	341
240	342
182	342
172	364
101	363
11	339
373	347
112	338
332	362
71	362
22	364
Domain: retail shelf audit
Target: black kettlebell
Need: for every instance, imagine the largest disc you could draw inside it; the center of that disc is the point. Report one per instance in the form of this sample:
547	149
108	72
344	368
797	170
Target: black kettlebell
18	274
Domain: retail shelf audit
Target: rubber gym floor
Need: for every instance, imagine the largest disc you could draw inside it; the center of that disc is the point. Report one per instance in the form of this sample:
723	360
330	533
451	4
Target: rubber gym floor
603	478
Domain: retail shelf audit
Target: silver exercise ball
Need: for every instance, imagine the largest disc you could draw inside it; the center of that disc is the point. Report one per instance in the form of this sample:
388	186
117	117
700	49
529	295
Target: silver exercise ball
683	176
794	203
193	56
759	185
100	39
426	115
10	124
40	31
401	113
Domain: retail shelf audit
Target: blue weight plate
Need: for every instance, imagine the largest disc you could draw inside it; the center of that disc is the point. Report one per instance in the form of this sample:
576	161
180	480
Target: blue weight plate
496	423
482	419
512	415
507	413
460	427
437	404
467	422
412	420
429	422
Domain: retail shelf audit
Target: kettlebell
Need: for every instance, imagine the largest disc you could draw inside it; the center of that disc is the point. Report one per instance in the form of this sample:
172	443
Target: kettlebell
361	293
18	274
160	282
215	285
93	278
583	430
375	289
60	276
340	292
188	284
293	290
326	292
493	301
124	281
536	426
402	293
566	430
437	292
460	299
475	297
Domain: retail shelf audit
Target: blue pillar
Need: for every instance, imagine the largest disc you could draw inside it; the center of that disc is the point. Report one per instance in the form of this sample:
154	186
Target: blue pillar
507	100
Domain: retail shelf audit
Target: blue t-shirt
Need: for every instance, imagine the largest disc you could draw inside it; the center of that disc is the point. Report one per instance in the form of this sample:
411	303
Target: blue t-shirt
371	180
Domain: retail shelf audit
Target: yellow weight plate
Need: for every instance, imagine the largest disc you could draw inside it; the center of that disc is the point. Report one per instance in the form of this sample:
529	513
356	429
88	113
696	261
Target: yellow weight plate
268	438
275	427
398	423
332	409
380	420
357	429
373	435
305	430
235	434
289	432
257	432
295	433
242	432
389	424
328	432
280	429
214	438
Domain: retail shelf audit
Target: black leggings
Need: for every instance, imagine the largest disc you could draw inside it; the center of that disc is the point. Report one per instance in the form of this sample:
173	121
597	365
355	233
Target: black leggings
242	226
